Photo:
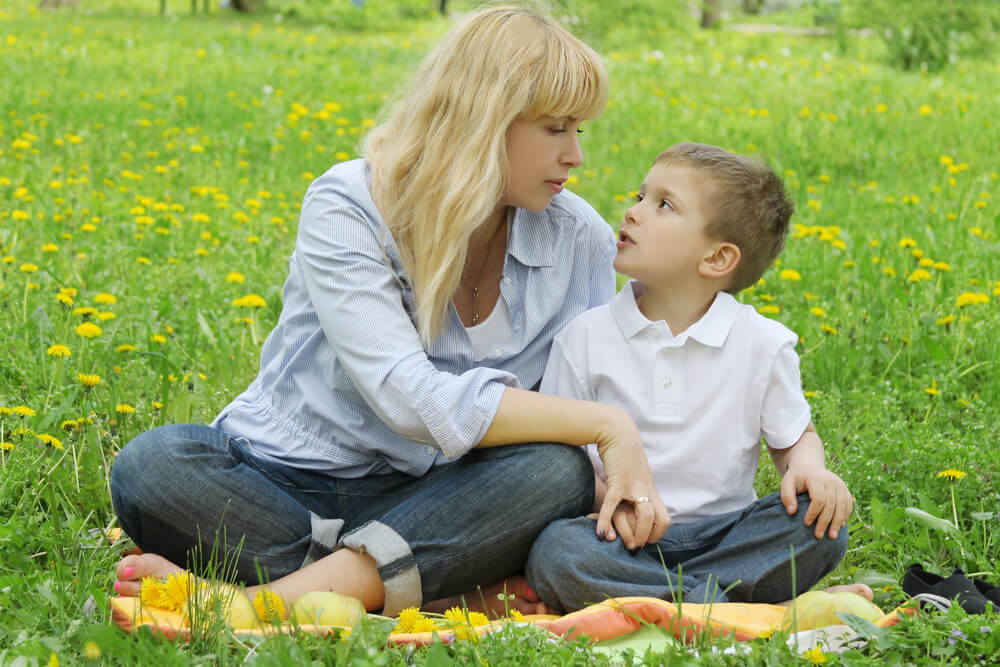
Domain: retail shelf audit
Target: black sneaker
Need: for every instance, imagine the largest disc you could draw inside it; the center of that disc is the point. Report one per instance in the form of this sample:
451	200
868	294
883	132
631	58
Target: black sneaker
988	591
917	581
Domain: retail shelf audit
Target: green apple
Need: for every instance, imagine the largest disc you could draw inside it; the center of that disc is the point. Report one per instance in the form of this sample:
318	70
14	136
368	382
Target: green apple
327	608
817	609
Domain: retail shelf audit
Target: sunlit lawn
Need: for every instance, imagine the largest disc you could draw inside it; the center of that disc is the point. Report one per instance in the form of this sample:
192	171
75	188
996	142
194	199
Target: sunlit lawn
151	171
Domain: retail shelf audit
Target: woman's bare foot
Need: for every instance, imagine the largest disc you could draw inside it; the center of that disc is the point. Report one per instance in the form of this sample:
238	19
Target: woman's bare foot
131	569
519	596
864	590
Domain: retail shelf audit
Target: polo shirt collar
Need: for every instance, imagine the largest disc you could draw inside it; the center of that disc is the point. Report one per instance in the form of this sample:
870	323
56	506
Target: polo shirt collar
532	238
711	330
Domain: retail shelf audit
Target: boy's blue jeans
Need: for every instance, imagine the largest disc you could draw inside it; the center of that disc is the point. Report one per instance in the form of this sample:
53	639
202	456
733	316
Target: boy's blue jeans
741	556
183	488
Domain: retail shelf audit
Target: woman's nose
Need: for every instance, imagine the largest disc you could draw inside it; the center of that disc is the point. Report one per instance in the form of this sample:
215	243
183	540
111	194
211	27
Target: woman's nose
573	155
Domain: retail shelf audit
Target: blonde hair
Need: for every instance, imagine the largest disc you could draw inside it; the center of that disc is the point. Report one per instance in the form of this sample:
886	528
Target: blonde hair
745	203
439	160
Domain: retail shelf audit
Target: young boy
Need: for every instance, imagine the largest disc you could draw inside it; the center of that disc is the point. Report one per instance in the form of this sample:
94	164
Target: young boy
705	378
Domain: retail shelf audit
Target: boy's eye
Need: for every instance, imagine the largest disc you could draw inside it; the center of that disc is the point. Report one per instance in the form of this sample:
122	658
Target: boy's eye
639	197
666	204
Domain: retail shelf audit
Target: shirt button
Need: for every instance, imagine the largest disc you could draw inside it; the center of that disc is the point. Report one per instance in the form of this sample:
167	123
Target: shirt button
430	450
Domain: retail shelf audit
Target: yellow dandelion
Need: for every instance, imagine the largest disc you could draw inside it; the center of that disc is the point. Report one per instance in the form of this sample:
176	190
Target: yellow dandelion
88	330
889	271
817	311
907	243
971	299
124	409
828	329
424	624
126	347
151	592
516	616
89	380
769	309
790	274
268	604
23	411
408	618
58	350
29	268
177	589
918	275
925	110
235	277
6	446
932	390
158	338
815	655
105	299
250	301
942	266
51	440
85	311
64	298
91	650
952	473
466	632
53	658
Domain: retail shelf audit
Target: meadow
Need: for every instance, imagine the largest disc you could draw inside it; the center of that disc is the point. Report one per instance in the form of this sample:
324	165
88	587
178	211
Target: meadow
151	170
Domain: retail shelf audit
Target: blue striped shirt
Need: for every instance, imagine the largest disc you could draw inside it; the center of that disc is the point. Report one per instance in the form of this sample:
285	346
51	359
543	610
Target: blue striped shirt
345	385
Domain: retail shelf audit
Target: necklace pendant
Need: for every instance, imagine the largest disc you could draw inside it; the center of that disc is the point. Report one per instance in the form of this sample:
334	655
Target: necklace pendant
475	305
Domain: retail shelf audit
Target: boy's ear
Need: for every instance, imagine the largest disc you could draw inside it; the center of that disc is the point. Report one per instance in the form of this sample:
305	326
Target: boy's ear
722	261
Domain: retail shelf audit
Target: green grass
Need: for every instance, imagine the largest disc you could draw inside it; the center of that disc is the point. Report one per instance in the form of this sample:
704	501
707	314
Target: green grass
152	158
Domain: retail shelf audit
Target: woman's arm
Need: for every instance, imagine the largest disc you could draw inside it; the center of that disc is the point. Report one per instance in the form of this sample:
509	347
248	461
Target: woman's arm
527	416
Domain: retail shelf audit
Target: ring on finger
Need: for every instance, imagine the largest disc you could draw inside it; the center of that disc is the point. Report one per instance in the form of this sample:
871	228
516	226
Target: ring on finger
640	500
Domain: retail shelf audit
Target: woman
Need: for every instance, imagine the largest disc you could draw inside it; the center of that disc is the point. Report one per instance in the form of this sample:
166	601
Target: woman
425	287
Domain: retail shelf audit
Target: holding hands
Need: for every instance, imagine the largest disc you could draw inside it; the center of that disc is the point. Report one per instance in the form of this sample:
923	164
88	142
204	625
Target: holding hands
630	502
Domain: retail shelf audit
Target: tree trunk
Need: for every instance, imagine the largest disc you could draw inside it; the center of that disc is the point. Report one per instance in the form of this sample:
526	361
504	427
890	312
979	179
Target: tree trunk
444	7
710	13
241	5
752	6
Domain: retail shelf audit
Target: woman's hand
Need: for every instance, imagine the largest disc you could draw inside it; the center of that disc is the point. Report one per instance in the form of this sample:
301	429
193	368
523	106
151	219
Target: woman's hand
630	482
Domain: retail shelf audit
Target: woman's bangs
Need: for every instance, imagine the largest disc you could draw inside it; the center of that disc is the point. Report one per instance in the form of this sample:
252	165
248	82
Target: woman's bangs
572	84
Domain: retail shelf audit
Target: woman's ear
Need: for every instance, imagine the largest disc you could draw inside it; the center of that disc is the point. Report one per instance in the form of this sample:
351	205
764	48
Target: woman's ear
722	261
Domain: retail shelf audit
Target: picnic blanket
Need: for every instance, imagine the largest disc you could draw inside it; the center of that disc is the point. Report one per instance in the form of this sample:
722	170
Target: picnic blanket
613	620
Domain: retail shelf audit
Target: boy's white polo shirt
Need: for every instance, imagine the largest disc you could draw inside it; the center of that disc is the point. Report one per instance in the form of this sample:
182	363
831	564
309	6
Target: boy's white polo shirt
702	399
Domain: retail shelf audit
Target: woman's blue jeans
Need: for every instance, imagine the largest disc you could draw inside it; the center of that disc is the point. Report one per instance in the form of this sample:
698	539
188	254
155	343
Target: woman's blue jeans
741	556
183	489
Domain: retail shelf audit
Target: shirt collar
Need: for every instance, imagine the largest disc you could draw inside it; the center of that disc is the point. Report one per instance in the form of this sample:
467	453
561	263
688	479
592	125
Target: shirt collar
533	237
711	329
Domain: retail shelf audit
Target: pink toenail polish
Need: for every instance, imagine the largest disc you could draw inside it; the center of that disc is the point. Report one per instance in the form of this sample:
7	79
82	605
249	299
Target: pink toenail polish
118	586
128	572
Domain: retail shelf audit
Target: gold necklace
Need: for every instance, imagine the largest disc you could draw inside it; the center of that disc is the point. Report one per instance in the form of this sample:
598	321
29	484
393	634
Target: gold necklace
479	279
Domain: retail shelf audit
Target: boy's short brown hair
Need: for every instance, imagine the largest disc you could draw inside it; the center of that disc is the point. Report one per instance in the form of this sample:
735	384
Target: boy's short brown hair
745	203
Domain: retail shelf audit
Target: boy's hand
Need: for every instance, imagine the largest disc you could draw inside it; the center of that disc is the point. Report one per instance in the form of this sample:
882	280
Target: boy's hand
830	502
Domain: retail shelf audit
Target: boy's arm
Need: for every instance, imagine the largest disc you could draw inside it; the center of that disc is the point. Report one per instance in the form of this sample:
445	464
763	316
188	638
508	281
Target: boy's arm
803	469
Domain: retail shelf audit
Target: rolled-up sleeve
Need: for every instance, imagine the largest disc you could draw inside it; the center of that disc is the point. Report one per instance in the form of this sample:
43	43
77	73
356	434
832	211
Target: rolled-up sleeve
359	301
